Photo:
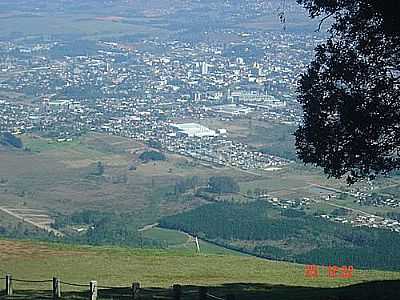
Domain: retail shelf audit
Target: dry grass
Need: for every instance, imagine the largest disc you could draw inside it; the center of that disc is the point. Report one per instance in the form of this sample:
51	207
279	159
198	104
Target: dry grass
26	250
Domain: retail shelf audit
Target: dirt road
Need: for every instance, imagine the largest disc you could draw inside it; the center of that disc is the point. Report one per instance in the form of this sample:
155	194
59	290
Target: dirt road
27	220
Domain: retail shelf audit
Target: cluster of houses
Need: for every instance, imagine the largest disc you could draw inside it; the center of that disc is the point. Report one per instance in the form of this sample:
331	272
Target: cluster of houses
365	221
286	203
140	94
219	150
368	199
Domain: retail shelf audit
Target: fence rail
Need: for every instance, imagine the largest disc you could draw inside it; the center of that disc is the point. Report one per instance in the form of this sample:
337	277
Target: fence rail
176	292
74	284
31	281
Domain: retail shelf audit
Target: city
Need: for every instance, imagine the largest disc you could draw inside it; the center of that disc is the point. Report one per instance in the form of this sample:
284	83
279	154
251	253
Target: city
138	94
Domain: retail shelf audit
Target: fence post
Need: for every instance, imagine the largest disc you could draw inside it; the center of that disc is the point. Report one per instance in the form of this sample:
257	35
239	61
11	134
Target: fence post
230	297
202	293
93	290
9	289
56	288
177	290
135	290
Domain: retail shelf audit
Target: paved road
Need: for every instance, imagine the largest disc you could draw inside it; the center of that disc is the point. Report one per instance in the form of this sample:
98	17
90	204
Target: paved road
349	208
342	206
37	225
245	171
309	185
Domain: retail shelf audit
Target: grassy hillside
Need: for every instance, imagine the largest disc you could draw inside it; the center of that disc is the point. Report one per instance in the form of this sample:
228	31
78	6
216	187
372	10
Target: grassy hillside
176	240
154	268
121	266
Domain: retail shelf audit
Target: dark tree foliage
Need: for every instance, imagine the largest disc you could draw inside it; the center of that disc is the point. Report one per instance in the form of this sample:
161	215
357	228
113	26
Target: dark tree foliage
186	184
8	139
154	144
294	236
96	169
105	228
350	92
222	184
292	213
152	155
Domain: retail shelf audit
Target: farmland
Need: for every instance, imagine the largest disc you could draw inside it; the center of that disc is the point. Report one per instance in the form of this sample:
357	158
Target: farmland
61	180
54	176
61	168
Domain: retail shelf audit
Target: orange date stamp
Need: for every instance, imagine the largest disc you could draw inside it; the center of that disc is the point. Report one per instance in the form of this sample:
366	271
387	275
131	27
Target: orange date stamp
332	271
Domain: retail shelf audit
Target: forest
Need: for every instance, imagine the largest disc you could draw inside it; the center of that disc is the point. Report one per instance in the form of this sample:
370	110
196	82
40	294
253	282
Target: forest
222	184
8	139
260	229
103	228
152	156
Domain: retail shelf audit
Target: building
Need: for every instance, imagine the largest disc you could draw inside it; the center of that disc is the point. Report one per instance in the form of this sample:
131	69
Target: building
222	131
233	110
204	68
193	130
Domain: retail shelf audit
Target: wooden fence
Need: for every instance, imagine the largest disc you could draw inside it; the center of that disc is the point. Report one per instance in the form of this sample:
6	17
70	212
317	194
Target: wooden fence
136	291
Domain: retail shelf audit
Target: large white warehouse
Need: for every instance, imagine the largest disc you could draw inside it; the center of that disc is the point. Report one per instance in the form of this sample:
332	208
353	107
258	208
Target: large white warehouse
194	130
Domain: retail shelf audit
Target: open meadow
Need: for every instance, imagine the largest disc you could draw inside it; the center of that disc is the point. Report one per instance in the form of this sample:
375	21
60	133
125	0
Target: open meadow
157	268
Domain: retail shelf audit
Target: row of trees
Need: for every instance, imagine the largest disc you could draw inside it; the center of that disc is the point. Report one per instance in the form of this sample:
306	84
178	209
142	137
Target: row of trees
105	228
8	139
222	184
152	155
186	184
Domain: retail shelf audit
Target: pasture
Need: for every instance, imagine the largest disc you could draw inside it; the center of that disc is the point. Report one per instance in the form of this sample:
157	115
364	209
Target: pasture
112	266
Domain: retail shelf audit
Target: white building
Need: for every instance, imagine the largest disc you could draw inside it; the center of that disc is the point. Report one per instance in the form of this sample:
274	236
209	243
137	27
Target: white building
204	68
194	130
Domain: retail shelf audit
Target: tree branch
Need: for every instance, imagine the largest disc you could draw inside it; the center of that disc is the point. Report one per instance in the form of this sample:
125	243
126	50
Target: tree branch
322	21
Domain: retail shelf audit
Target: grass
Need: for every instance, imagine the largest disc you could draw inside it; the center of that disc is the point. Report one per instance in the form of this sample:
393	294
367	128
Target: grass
374	290
172	237
37	144
176	240
156	268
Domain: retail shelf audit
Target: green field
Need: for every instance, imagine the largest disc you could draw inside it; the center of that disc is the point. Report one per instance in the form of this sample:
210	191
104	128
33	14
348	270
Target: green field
180	241
121	266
